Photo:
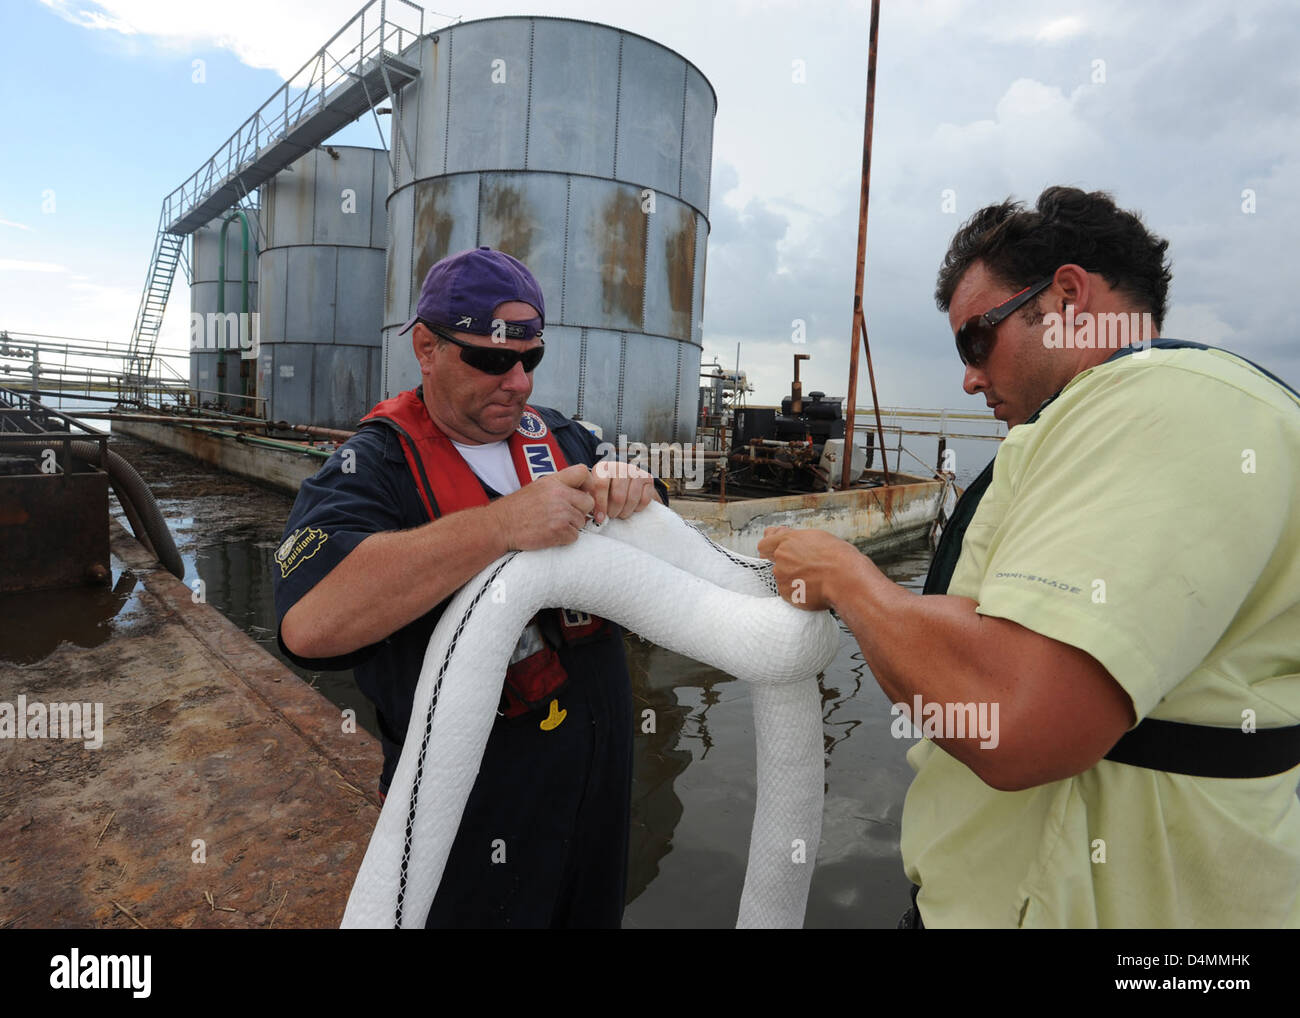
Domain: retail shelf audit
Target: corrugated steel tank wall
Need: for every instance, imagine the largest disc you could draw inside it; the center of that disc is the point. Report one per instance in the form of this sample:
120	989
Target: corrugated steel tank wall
205	262
541	137
321	290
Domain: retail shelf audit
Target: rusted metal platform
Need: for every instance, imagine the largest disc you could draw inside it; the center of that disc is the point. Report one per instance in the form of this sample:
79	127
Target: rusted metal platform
53	506
227	792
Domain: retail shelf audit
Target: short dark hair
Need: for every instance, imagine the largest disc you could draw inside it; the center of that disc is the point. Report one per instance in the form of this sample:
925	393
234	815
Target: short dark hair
1020	246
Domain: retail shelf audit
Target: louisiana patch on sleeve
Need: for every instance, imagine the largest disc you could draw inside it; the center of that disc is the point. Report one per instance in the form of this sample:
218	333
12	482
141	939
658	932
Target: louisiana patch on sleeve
299	546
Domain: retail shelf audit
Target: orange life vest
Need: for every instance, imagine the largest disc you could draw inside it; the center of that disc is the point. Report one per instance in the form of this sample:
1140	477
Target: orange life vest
446	484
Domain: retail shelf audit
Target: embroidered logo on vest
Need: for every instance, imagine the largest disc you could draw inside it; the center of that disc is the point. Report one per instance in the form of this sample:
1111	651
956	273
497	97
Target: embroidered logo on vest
531	425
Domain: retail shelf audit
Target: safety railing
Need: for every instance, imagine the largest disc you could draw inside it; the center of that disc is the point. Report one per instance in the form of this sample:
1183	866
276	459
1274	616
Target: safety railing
380	30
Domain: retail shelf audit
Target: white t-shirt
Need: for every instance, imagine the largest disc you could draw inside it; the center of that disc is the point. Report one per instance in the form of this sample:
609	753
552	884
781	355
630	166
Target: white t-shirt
492	465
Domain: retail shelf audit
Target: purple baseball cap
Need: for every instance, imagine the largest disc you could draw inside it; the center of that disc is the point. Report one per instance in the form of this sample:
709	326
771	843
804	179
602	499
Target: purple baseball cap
462	291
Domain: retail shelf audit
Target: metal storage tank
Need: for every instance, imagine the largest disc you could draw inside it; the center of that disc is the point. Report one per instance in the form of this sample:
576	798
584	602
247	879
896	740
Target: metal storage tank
205	261
549	138
321	291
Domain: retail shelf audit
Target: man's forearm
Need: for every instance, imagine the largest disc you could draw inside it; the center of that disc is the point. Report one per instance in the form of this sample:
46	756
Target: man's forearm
916	646
391	579
1059	711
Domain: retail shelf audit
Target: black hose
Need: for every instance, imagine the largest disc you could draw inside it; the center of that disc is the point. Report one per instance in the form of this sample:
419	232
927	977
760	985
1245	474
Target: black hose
133	517
126	481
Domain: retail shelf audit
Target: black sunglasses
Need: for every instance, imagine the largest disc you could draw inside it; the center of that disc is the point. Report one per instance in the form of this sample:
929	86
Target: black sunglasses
976	337
491	360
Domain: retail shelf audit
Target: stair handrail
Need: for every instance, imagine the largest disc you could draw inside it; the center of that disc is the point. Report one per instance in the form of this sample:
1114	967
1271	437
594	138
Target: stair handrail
313	82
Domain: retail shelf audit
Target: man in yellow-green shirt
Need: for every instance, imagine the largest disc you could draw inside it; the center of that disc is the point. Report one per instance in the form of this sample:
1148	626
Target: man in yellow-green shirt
1107	666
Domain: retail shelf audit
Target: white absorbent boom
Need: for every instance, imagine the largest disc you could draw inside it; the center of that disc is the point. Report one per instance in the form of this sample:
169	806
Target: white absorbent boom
654	575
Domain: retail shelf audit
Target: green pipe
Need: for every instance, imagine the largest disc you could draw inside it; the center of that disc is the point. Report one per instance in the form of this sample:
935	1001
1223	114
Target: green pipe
221	290
273	443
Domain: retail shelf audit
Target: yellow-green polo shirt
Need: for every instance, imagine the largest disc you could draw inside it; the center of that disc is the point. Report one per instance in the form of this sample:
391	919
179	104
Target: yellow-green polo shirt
1150	517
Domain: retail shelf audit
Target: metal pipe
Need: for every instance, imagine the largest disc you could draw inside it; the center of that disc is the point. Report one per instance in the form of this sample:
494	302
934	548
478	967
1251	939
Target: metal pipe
218	392
859	322
722	484
336	434
796	388
275	443
221	288
823	475
269	442
748	460
332	434
166	419
778	443
79	395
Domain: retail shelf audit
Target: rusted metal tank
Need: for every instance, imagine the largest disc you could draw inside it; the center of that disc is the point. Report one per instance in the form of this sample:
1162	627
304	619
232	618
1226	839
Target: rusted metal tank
321	286
584	151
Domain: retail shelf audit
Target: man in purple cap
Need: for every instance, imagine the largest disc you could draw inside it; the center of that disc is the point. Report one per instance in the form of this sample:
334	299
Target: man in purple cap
438	483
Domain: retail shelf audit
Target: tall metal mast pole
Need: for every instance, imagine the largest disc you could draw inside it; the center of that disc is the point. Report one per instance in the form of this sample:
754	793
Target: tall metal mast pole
859	322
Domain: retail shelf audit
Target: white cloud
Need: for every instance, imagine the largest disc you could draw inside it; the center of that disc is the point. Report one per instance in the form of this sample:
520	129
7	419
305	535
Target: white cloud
927	15
16	226
87	17
18	265
276	36
1029	98
1038	136
100	291
1060	29
55	301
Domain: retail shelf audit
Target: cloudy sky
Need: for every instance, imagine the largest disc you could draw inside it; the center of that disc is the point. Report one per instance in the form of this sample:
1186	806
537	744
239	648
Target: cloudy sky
1186	111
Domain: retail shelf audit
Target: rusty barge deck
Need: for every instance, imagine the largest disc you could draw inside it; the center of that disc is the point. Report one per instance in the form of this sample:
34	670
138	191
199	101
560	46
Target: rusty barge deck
226	792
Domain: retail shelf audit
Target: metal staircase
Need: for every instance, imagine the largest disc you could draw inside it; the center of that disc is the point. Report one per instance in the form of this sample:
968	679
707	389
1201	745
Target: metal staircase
363	63
168	253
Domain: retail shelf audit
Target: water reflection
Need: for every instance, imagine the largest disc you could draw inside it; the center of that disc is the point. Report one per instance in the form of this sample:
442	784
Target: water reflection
36	622
833	700
693	808
238	582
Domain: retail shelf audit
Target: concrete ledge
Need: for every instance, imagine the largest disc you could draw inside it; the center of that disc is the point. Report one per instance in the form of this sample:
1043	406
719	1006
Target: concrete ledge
279	468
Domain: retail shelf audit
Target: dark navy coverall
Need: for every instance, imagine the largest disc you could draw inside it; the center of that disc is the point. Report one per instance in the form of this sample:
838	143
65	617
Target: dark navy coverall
556	803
